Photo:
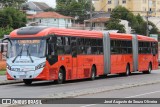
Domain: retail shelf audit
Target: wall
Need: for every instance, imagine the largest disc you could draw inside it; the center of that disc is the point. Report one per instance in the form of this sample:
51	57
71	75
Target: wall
60	23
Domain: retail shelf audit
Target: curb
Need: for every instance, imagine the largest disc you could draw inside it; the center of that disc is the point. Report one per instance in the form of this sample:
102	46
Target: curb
10	82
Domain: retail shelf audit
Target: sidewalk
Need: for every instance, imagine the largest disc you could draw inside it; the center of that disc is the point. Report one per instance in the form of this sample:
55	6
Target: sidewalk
4	81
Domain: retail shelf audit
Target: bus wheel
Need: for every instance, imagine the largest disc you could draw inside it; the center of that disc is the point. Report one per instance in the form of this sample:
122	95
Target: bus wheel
60	77
93	73
27	81
149	69
127	73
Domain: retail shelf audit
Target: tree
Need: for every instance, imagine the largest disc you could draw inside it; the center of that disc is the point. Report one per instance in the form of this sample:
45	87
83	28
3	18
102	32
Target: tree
114	24
12	18
13	3
5	31
119	12
135	21
74	8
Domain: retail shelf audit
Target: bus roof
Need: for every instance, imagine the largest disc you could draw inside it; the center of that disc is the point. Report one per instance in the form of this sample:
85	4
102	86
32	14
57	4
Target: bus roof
41	31
120	36
145	38
44	31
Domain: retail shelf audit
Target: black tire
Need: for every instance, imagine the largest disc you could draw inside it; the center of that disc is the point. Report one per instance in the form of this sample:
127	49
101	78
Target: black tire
93	73
127	73
60	77
27	81
149	69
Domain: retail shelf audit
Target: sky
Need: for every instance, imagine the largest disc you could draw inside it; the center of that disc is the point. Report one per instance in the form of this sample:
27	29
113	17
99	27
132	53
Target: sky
51	3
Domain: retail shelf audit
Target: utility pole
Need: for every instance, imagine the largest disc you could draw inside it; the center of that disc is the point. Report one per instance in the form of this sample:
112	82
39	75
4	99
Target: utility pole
91	28
147	29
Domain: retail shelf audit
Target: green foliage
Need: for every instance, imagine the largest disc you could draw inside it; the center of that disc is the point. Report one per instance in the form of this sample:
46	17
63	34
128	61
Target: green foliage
49	10
74	8
12	3
5	31
113	24
136	21
2	72
12	18
119	12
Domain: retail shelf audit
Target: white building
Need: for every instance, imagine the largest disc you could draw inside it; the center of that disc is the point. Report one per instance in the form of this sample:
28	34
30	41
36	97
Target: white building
35	7
100	22
51	19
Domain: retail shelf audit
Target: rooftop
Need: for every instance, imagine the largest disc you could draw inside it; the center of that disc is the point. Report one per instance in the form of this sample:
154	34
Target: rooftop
51	15
100	19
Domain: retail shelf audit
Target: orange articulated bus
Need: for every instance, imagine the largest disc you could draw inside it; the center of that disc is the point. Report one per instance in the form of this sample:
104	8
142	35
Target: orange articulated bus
46	53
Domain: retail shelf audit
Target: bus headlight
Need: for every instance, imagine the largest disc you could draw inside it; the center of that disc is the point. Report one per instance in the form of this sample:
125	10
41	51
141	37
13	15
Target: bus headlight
8	67
41	65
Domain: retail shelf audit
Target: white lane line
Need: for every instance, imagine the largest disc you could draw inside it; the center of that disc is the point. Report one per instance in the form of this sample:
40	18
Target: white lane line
88	105
138	95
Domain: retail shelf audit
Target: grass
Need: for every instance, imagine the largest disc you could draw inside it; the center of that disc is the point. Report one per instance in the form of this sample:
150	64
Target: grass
2	72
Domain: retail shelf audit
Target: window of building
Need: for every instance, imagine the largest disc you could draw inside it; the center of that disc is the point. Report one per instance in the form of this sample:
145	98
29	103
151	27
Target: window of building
123	1
109	1
109	9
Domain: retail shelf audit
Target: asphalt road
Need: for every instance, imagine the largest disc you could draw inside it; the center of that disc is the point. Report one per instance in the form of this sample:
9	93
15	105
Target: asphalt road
147	91
44	89
41	89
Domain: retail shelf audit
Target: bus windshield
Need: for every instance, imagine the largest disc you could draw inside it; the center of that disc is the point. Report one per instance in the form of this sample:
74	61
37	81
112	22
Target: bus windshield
34	48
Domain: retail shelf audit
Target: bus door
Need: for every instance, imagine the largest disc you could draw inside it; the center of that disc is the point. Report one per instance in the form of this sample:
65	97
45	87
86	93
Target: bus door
154	53
74	57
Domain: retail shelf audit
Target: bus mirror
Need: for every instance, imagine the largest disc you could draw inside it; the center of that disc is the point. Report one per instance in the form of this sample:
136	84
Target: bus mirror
2	48
53	39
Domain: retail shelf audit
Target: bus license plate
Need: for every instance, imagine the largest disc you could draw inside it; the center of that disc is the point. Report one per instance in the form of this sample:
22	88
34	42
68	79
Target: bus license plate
22	76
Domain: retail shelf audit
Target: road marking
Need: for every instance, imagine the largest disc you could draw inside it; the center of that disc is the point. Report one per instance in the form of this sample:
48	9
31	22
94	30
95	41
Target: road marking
88	105
143	94
138	95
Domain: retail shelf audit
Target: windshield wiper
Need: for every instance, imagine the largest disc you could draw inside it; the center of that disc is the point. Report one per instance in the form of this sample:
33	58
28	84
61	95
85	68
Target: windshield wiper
28	53
19	54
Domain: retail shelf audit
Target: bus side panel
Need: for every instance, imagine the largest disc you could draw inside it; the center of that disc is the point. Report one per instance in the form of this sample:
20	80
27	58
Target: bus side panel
122	61
114	64
99	62
84	66
66	62
144	60
85	63
155	62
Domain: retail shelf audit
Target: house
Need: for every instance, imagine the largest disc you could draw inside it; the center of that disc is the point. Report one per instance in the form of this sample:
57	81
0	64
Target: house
97	23
51	19
136	6
36	7
100	22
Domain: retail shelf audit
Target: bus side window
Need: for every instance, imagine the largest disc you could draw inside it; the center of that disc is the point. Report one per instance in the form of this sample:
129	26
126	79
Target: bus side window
60	45
67	46
74	46
154	49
